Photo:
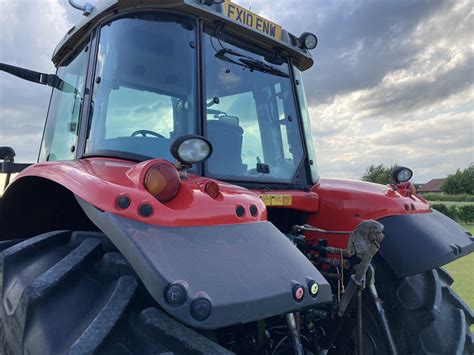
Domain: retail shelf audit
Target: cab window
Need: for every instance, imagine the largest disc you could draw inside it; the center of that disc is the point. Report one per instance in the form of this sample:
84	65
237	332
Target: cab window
61	130
251	113
144	95
152	112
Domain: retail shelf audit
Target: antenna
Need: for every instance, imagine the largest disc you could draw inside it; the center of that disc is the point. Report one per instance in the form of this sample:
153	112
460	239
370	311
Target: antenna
86	8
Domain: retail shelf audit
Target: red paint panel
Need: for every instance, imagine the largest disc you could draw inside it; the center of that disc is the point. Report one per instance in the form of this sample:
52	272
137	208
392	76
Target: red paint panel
100	181
346	203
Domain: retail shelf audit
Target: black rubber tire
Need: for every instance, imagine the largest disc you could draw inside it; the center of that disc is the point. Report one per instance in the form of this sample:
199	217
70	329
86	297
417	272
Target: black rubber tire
427	316
65	292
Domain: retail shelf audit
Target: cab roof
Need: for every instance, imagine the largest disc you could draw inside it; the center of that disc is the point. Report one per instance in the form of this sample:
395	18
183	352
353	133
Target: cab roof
226	13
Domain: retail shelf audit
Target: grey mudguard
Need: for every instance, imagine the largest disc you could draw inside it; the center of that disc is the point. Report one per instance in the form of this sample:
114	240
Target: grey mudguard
247	271
421	242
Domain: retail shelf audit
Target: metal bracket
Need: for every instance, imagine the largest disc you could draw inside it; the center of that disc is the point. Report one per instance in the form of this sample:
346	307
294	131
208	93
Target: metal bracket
364	242
86	8
381	316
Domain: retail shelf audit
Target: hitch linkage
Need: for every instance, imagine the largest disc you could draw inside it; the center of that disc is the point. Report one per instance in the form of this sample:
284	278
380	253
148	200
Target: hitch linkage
364	243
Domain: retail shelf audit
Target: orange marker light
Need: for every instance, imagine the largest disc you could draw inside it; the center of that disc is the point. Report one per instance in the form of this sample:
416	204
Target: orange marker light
162	181
212	189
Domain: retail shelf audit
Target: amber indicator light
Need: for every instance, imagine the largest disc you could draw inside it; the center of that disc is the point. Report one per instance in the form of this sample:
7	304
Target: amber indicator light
162	181
212	189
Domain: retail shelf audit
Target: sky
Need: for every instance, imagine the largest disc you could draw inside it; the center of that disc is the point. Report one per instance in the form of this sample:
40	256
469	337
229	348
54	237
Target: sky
392	81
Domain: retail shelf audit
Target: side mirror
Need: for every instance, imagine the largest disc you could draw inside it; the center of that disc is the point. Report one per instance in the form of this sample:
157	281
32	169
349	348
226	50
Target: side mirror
8	166
7	154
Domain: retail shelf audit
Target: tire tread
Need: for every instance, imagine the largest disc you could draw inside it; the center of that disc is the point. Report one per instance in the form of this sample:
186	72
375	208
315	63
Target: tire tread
436	318
72	292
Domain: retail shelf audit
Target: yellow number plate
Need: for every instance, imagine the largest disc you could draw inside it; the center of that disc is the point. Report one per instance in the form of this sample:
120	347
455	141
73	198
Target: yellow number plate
276	200
246	17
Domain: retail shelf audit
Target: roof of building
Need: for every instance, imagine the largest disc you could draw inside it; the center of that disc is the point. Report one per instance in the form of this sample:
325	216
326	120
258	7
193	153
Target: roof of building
433	185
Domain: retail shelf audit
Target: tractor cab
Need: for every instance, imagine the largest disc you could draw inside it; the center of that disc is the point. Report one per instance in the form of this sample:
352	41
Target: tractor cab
144	78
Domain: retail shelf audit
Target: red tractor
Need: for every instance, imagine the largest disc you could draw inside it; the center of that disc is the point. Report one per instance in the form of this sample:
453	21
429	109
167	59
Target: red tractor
176	206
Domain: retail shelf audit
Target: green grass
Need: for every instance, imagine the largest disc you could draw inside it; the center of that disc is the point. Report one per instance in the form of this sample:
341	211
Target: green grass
462	271
451	203
469	228
436	196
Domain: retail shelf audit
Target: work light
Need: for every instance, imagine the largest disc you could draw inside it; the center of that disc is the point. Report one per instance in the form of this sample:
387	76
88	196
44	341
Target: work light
401	174
191	149
308	41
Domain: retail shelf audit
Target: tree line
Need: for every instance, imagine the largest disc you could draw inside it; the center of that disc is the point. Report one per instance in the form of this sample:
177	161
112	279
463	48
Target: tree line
460	182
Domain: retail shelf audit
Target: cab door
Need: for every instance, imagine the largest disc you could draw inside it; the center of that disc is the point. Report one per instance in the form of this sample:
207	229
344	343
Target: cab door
61	130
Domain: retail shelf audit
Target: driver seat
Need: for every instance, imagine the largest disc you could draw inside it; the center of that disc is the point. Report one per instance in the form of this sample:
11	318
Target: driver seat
226	137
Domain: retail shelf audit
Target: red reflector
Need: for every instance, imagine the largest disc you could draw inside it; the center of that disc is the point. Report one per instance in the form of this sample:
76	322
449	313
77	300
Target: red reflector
212	189
162	181
298	293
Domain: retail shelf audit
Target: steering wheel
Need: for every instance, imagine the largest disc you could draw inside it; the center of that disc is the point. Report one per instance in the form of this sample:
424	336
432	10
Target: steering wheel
146	132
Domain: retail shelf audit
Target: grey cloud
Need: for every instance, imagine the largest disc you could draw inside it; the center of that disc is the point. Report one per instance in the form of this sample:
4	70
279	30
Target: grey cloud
359	42
414	95
30	31
449	132
432	146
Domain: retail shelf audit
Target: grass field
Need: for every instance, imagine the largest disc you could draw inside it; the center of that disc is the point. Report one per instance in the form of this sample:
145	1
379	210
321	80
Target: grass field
451	203
462	271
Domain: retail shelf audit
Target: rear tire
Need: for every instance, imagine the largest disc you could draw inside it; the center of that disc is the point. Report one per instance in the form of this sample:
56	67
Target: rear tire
435	315
426	316
72	292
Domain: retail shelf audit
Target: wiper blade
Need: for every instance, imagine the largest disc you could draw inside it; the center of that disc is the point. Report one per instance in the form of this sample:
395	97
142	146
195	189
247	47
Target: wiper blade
254	64
249	62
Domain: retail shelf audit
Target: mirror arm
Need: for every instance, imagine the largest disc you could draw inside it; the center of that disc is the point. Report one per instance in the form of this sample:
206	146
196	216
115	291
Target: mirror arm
25	74
33	76
40	78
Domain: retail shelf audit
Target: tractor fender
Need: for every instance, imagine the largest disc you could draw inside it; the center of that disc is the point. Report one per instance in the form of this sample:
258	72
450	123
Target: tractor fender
214	276
104	181
418	238
421	242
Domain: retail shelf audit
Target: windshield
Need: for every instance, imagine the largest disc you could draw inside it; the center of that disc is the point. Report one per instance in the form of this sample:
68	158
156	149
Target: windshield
145	96
251	113
145	87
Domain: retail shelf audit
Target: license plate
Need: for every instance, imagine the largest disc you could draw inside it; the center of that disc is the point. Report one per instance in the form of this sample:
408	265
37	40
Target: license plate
276	199
246	17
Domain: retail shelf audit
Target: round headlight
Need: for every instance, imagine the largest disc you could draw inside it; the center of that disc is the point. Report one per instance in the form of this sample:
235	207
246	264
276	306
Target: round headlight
401	174
308	40
191	149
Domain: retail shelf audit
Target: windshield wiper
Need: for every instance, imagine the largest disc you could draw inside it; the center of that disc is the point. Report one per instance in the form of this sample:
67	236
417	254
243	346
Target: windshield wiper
249	62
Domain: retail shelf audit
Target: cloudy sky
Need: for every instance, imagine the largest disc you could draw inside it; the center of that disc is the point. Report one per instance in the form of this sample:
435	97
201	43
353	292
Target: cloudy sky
393	80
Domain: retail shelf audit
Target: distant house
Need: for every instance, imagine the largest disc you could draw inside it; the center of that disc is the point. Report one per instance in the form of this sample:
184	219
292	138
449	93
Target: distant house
432	186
